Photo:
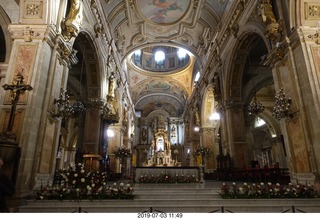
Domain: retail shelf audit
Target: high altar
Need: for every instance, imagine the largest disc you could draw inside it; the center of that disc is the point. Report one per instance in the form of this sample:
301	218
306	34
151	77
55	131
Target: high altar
160	151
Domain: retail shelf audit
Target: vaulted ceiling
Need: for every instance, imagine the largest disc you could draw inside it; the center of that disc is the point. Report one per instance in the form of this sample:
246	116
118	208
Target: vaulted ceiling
145	24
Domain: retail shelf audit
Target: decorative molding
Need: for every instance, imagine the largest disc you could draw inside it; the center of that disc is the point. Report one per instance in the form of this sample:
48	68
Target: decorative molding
71	25
27	32
239	9
276	55
315	37
33	11
236	106
67	54
312	11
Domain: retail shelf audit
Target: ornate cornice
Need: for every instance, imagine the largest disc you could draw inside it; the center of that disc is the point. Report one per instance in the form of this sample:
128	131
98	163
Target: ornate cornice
276	55
236	106
232	27
28	32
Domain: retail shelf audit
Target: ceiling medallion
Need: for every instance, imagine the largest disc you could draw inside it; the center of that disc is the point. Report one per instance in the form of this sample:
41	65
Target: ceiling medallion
163	11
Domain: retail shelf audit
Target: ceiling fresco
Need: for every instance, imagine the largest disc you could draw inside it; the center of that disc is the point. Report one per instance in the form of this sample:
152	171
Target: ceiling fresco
163	11
147	24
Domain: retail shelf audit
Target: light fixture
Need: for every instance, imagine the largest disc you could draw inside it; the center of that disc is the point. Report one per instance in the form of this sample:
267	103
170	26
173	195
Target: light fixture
110	133
254	107
182	53
159	56
282	107
214	117
63	108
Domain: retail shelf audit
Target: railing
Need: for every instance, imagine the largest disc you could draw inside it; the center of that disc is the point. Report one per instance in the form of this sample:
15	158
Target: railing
223	209
79	210
280	175
150	210
293	209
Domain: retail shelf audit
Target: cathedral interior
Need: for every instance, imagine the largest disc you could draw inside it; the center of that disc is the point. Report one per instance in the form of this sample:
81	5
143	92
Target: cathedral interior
163	79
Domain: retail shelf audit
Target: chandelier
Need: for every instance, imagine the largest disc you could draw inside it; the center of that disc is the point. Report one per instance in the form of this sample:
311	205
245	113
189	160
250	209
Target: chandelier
282	108
64	109
254	107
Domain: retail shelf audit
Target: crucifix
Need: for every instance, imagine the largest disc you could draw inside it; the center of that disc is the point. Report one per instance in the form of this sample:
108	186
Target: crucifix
17	87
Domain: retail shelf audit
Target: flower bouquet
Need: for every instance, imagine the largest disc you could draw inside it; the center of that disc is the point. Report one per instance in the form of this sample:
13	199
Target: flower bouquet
267	190
74	183
203	151
122	153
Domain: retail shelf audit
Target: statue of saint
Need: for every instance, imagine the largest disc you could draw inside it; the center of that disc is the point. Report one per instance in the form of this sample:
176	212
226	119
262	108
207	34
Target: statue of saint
111	85
267	13
71	24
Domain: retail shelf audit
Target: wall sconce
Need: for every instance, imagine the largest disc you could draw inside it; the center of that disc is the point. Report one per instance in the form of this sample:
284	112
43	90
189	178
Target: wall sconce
282	108
214	117
64	109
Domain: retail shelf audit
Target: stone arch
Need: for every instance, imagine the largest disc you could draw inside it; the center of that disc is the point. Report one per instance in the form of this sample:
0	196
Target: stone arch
209	127
84	85
5	40
244	77
208	107
88	67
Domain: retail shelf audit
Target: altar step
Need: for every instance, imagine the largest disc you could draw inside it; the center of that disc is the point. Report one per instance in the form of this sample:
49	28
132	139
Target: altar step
168	198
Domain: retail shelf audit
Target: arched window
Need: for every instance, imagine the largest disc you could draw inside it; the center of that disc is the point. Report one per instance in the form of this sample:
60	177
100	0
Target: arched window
159	56
259	122
196	78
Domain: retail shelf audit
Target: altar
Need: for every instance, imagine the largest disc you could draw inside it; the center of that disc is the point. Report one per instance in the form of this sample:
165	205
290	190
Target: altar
159	153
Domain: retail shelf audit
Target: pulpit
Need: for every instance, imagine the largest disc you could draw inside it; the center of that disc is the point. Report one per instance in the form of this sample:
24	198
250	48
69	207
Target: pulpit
92	161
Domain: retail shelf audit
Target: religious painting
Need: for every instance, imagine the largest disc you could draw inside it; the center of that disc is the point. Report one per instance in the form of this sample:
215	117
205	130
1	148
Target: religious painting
163	11
159	85
144	134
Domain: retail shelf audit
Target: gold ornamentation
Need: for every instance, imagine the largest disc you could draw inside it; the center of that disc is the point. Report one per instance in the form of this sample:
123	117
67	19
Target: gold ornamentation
33	9
267	12
67	55
312	11
72	23
273	28
315	37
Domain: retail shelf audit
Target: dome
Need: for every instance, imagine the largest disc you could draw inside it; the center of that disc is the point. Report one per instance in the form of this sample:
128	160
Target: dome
160	59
